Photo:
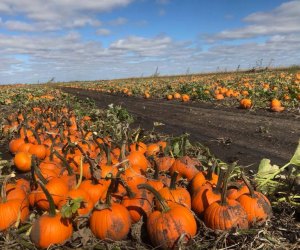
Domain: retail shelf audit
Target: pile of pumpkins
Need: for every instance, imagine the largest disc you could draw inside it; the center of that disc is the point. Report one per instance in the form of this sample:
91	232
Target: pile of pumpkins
73	173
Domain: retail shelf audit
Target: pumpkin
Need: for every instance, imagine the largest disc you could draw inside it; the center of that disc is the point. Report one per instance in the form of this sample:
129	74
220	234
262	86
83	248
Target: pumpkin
164	163
58	190
226	213
169	97
219	96
185	98
186	167
138	203
236	190
38	150
22	161
256	205
86	203
175	194
153	149
275	105
177	96
206	195
50	228
167	226
11	209
15	144
24	147
245	103
110	221
138	146
138	161
94	189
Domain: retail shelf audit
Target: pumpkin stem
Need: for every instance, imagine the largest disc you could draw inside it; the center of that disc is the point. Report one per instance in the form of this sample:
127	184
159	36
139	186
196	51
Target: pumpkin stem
156	170
225	184
129	191
52	211
173	181
3	189
110	190
64	161
107	152
123	151
80	173
210	171
166	151
36	136
94	180
249	186
37	170
163	203
51	152
218	187
32	170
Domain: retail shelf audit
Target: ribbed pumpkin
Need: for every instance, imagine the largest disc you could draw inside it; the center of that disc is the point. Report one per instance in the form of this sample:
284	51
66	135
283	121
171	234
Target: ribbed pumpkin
138	203
185	166
226	214
175	194
22	161
50	228
110	221
167	226
10	209
256	205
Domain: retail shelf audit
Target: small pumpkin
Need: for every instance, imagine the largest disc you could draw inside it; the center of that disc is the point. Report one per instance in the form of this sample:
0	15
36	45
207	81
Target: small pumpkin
246	103
138	203
110	221
256	205
167	226
22	161
15	144
186	167
175	194
50	228
226	213
11	209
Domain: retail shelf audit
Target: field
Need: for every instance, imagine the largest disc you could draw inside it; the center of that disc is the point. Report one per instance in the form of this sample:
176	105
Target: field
195	161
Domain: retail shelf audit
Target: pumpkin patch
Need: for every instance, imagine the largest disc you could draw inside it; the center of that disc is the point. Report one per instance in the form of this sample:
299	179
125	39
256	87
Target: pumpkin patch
79	178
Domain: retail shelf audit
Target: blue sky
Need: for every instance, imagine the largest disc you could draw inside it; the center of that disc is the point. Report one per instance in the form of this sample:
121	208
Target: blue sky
105	39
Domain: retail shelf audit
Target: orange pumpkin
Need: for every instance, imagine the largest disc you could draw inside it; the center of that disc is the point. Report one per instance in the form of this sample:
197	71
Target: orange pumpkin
245	103
22	161
50	228
167	226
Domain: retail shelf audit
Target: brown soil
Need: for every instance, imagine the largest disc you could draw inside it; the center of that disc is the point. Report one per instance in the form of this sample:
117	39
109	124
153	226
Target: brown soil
230	133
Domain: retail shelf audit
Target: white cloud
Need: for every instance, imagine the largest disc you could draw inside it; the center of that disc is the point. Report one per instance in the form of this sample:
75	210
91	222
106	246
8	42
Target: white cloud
284	19
103	32
29	57
119	21
58	14
17	26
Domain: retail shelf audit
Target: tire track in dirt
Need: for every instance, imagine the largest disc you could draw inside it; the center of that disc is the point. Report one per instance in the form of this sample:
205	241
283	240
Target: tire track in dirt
253	135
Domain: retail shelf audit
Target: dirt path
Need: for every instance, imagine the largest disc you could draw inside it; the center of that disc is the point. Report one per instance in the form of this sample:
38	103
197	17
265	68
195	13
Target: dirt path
230	133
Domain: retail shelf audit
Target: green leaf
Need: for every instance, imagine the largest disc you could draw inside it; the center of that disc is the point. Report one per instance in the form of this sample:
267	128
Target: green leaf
75	207
176	148
296	157
265	175
266	168
66	211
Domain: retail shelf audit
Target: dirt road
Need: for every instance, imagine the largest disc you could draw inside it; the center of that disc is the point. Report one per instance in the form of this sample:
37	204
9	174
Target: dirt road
230	133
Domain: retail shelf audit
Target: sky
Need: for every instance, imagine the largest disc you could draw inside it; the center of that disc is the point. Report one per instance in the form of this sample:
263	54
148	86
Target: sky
105	39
